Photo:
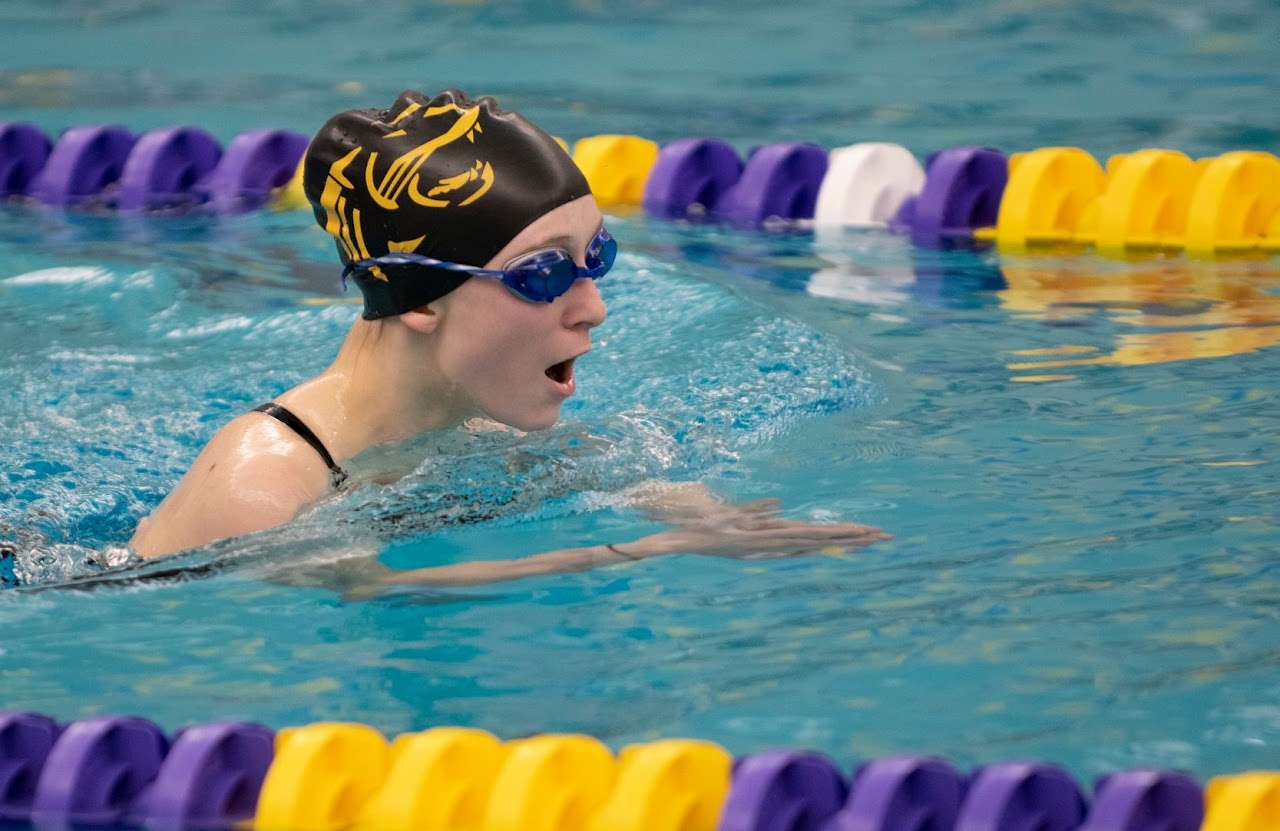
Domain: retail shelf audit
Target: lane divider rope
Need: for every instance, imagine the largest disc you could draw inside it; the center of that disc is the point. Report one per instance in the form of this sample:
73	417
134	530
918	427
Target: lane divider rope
125	771
1049	199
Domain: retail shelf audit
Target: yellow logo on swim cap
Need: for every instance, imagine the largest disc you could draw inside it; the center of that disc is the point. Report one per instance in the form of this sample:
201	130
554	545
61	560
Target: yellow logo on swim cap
403	176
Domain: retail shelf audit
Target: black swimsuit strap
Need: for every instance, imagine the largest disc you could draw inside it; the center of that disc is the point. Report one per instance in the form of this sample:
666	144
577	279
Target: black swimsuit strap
295	424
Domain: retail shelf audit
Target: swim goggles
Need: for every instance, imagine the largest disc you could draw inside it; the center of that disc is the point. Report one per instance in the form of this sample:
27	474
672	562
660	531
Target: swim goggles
538	276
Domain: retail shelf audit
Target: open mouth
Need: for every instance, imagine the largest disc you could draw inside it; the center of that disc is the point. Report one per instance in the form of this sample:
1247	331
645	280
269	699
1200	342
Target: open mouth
561	373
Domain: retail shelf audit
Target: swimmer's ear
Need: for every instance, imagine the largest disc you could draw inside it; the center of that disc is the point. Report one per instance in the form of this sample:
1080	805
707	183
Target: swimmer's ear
423	319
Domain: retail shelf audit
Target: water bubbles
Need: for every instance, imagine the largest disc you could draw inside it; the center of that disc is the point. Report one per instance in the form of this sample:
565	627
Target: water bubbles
48	563
114	556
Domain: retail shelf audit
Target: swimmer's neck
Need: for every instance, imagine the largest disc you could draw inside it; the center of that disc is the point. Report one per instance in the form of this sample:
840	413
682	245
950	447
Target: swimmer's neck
383	387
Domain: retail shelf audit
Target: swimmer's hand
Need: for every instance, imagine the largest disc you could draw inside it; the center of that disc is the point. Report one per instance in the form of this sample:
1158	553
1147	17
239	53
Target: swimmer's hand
752	531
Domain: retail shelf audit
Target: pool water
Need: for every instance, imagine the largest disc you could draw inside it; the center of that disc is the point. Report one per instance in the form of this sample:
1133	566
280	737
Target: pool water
1075	455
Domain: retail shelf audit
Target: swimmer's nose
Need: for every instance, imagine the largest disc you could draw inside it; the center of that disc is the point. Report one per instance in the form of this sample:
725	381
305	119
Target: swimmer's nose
584	307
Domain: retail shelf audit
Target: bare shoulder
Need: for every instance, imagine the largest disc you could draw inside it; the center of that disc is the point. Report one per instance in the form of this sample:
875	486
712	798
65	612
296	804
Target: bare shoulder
255	451
255	473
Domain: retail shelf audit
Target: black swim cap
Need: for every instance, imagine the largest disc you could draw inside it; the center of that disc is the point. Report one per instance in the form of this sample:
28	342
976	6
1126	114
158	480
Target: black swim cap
448	178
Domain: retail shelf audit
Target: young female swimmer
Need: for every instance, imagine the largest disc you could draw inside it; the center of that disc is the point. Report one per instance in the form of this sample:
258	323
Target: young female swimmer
476	244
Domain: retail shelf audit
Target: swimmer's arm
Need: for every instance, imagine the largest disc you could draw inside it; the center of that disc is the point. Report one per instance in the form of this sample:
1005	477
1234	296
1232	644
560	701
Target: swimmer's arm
748	531
671	502
485	572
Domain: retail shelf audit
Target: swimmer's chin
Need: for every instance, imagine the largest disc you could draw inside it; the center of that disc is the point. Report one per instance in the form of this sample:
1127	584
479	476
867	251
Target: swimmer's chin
484	424
518	425
536	426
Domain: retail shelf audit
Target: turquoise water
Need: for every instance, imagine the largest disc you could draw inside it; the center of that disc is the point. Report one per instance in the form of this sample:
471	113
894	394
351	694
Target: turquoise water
1075	455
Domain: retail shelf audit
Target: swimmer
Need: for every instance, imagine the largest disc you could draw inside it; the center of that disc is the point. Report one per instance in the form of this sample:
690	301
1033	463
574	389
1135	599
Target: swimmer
477	245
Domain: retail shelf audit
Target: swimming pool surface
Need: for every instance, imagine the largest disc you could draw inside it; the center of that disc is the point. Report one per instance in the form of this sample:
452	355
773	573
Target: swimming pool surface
1075	455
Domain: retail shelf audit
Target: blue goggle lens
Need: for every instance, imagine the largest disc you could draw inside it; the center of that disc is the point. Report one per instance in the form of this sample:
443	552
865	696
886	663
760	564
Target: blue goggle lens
543	276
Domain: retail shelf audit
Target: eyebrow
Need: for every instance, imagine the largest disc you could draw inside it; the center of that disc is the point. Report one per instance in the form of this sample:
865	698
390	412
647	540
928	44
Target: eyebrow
563	241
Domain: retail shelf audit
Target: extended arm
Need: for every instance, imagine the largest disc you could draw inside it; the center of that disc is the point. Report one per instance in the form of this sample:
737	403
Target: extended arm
748	531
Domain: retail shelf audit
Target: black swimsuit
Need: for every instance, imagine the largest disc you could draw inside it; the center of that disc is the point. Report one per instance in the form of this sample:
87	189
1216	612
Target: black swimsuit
288	419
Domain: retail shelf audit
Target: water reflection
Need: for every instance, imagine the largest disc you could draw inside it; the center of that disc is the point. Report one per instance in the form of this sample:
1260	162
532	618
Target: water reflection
1176	310
262	249
865	266
927	280
1154	311
1106	312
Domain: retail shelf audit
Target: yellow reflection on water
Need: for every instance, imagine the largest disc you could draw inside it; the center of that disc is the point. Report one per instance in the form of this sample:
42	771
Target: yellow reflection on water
1178	310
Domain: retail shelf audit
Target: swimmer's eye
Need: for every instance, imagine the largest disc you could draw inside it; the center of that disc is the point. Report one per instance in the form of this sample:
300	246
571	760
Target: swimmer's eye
602	251
542	276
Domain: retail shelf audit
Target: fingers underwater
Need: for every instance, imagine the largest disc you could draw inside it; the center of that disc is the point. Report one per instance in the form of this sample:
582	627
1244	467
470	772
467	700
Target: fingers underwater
761	506
805	530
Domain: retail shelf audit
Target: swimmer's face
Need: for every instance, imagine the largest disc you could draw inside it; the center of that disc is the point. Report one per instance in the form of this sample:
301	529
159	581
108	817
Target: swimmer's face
512	360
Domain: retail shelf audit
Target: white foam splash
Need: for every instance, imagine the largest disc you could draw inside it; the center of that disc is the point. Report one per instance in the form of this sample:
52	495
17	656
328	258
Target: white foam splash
62	276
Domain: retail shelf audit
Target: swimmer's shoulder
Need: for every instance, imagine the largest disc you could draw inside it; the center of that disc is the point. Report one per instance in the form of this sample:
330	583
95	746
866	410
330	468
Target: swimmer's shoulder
255	451
253	474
